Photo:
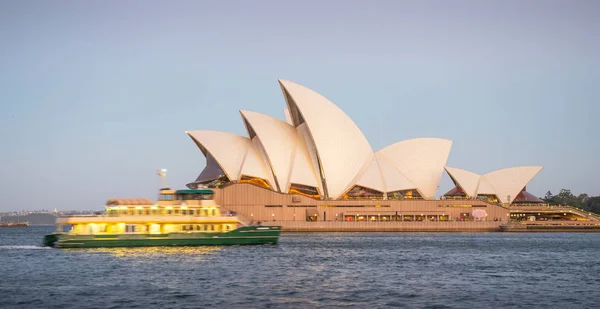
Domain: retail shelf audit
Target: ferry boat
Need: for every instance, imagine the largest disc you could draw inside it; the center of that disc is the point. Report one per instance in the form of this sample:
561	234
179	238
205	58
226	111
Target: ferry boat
179	218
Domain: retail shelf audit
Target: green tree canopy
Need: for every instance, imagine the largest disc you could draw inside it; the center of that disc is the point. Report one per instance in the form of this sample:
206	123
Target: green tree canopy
565	197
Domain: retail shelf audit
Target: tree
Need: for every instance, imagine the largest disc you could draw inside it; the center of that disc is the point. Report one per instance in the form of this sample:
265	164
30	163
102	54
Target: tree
548	197
583	198
565	197
593	204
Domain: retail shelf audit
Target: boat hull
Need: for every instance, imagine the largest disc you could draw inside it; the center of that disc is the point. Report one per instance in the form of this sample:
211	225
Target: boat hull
249	235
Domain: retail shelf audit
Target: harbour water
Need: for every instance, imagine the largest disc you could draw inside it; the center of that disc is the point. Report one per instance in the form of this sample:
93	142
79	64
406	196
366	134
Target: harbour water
310	270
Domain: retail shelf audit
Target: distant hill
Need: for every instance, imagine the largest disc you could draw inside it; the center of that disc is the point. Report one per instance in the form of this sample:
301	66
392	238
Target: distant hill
33	219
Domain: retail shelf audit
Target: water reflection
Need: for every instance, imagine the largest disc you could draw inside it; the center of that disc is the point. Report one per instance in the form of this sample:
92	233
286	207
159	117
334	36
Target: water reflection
196	253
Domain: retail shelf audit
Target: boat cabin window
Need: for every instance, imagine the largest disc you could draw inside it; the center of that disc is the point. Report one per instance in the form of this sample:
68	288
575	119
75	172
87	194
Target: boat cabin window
165	197
193	196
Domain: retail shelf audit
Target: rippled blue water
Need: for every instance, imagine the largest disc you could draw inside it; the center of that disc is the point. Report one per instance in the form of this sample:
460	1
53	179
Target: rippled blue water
359	270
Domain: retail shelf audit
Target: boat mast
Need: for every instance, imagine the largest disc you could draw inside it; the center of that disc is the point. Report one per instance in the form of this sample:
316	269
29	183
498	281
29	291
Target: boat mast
163	175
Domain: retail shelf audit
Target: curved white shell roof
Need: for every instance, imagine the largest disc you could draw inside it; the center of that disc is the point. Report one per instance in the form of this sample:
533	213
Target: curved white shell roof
279	141
288	117
303	172
231	151
372	178
320	146
341	147
505	183
508	182
468	181
393	179
484	187
421	160
308	155
256	164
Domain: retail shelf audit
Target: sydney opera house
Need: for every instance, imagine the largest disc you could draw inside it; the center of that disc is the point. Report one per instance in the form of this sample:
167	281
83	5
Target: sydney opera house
316	165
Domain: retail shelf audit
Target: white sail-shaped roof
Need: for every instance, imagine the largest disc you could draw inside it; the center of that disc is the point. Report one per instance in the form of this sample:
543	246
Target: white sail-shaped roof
421	160
393	179
467	181
484	187
505	184
256	164
288	117
231	151
303	172
372	178
342	149
508	182
321	147
279	141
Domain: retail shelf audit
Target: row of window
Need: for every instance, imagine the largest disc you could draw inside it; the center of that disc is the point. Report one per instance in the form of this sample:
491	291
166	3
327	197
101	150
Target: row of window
162	211
135	228
180	197
385	218
327	206
205	227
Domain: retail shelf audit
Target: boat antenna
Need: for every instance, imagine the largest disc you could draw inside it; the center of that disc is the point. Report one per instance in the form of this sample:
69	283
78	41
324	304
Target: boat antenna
163	174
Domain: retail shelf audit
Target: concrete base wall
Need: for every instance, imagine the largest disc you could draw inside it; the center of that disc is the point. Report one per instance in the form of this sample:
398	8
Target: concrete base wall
253	203
291	226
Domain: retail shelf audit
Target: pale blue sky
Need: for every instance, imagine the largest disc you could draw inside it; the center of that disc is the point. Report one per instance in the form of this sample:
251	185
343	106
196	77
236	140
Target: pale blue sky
95	96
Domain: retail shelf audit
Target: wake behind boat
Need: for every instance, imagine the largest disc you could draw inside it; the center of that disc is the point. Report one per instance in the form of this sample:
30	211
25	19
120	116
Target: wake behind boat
179	218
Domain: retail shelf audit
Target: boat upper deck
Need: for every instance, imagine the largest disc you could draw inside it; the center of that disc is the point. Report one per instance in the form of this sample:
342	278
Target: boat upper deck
181	206
170	203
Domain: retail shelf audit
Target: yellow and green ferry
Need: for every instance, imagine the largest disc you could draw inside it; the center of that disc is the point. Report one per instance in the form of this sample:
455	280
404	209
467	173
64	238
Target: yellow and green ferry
178	218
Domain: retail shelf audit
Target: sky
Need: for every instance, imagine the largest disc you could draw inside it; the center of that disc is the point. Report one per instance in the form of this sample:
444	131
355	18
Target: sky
95	96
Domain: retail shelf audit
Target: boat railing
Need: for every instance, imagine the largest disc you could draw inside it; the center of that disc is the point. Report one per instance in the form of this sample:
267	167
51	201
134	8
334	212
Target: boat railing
80	215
